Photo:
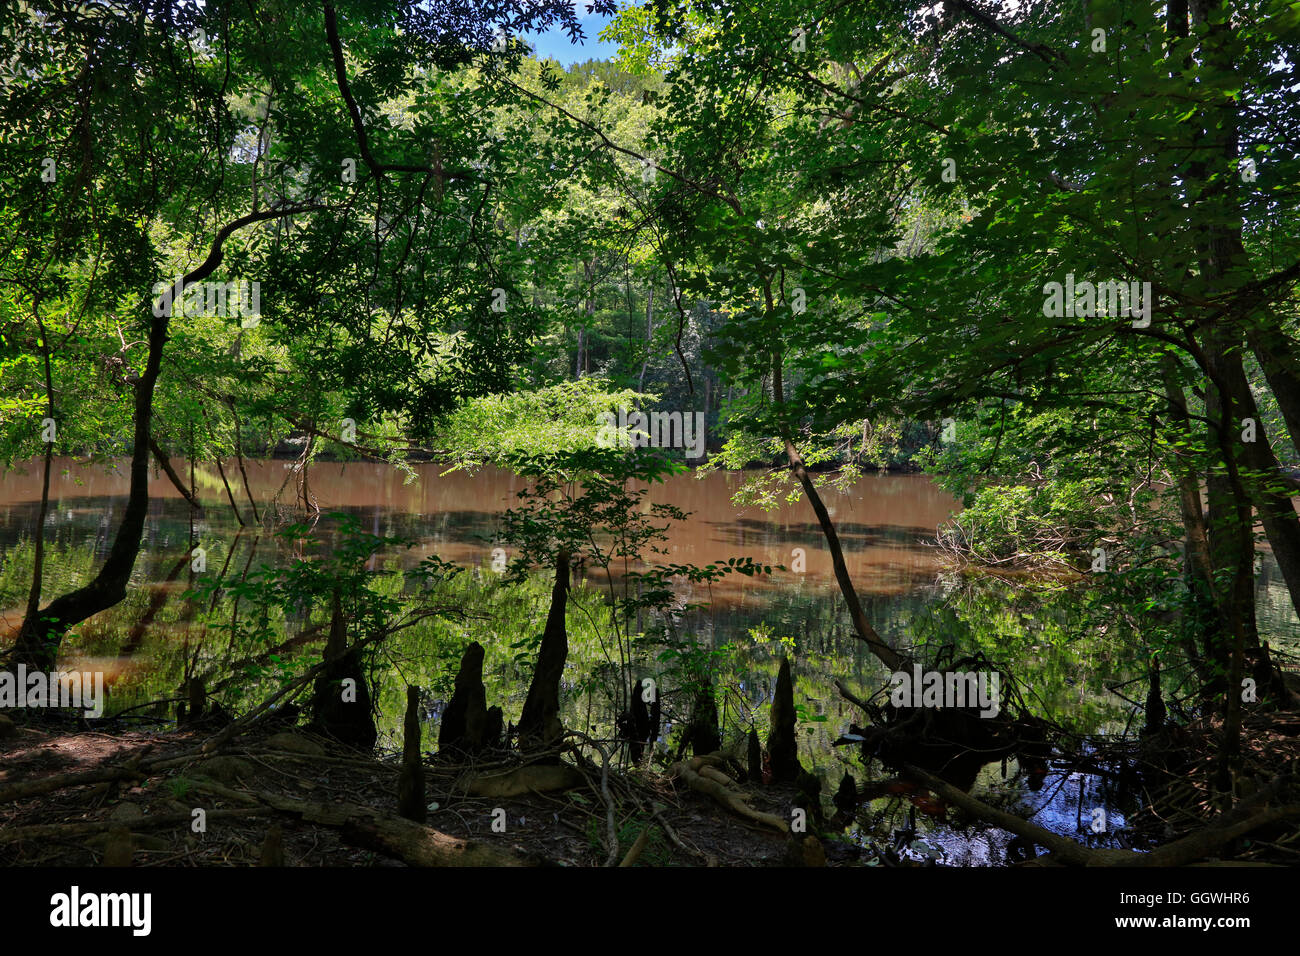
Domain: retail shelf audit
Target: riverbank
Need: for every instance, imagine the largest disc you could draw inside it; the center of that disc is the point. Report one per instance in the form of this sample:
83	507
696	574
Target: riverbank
280	796
285	797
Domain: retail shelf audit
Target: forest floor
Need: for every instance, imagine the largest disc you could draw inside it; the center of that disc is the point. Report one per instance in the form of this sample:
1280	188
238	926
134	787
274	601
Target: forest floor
72	797
76	824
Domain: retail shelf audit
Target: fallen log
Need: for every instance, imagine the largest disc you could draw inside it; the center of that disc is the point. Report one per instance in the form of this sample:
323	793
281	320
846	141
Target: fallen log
417	845
1063	847
36	788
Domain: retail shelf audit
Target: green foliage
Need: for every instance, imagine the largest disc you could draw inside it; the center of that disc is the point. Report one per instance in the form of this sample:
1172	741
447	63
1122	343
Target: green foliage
518	426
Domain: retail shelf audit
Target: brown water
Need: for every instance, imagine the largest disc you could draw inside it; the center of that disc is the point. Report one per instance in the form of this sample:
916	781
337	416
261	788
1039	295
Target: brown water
881	524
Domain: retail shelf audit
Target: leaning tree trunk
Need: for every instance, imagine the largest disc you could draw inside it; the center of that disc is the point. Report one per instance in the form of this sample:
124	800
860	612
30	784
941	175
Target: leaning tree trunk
1276	354
1264	484
38	641
887	655
539	725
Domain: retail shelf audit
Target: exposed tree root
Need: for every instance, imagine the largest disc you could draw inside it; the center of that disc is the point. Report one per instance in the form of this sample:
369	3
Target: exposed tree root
638	846
692	772
540	778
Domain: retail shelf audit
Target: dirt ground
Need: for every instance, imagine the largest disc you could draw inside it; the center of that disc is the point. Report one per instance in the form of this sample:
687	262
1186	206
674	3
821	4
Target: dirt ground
73	825
73	797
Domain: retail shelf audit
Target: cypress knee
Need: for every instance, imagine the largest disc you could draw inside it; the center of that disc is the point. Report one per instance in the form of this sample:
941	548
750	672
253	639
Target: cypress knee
755	756
641	724
539	725
273	847
410	781
341	698
464	728
1155	706
846	797
782	746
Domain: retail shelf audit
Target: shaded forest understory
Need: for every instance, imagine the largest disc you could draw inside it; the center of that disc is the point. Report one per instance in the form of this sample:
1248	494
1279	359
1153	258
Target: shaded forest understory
277	795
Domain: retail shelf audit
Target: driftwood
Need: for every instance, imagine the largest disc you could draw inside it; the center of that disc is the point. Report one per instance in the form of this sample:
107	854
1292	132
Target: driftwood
691	772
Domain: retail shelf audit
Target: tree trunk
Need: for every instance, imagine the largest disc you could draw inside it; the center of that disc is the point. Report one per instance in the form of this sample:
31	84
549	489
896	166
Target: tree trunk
1207	623
887	655
649	334
166	465
1276	354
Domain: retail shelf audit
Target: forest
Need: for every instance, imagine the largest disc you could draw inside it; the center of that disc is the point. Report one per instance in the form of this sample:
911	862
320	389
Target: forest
841	434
